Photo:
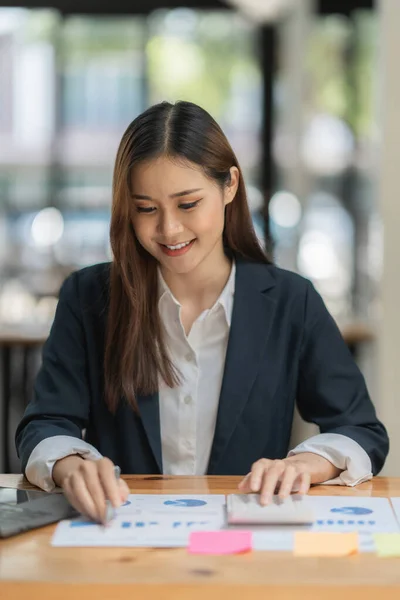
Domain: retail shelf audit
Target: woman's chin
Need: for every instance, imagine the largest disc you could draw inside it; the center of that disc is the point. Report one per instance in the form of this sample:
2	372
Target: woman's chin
181	266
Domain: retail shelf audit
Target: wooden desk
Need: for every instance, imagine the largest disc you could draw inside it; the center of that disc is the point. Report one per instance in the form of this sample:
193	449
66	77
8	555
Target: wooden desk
31	568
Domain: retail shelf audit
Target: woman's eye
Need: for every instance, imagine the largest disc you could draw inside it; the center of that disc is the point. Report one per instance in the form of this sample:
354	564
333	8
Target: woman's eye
188	205
150	209
147	210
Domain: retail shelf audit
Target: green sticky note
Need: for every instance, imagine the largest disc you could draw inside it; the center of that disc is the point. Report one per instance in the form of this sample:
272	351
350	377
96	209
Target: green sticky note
387	544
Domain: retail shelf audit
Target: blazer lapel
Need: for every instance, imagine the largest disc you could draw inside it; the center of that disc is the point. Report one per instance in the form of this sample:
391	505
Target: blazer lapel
251	320
150	415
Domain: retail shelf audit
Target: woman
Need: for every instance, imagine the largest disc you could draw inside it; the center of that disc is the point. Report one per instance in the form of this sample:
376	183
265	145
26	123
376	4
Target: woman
186	354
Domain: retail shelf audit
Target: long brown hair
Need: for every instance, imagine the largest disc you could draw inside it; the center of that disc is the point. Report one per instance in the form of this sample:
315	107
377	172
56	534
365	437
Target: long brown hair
135	353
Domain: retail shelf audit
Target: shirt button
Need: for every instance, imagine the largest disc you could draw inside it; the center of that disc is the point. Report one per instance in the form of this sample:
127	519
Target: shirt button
187	399
189	356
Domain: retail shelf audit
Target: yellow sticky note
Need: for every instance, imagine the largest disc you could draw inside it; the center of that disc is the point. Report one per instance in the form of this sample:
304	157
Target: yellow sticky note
316	543
387	544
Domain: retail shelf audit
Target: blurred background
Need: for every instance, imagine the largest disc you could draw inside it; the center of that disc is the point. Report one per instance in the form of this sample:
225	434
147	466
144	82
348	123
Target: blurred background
306	92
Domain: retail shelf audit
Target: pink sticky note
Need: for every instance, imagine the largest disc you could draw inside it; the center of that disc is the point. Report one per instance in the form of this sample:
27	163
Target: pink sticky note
220	542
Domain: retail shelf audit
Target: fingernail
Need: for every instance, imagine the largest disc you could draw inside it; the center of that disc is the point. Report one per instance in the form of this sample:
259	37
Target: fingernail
265	499
255	485
109	512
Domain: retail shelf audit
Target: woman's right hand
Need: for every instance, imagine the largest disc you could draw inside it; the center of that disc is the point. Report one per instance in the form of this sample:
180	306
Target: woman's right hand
87	484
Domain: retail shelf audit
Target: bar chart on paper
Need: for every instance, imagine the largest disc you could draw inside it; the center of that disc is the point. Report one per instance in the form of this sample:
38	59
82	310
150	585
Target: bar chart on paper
147	520
373	515
366	516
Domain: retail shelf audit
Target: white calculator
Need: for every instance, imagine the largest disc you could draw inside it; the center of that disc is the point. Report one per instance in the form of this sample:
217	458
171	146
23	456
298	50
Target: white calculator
245	509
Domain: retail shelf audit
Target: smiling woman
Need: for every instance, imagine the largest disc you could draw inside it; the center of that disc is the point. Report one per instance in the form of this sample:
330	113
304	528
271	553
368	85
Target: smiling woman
167	152
176	221
187	354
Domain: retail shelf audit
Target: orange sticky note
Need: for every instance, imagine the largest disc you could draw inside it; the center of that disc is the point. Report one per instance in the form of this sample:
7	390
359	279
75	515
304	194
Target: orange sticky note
316	543
220	542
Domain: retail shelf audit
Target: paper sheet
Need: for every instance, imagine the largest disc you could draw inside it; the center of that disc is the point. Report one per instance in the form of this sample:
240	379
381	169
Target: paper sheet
147	520
333	514
396	507
170	504
350	513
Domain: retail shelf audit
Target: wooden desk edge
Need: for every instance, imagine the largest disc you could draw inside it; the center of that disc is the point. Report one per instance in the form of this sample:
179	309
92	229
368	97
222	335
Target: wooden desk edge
93	591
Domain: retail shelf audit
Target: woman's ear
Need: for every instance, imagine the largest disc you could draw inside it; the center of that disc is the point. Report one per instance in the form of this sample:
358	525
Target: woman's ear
232	186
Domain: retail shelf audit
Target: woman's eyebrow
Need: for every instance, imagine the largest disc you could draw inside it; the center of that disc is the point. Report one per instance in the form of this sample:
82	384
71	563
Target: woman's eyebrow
185	193
176	195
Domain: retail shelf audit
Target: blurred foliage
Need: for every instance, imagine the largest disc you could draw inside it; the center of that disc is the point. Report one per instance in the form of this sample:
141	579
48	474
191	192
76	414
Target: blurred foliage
39	25
325	65
334	85
194	57
365	68
86	37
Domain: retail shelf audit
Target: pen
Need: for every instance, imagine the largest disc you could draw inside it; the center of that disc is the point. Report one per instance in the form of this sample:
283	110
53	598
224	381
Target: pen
110	511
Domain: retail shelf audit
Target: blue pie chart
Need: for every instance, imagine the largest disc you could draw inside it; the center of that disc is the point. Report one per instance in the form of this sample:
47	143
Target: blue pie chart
352	510
185	502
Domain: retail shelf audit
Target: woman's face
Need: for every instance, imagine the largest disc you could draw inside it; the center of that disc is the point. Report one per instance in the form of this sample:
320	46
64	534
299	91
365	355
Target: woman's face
179	213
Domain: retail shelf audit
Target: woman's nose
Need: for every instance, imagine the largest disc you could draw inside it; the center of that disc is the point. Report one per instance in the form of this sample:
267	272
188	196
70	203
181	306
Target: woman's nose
169	224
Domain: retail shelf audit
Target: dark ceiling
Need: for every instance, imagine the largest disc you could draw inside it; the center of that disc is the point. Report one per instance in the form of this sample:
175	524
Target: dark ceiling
146	6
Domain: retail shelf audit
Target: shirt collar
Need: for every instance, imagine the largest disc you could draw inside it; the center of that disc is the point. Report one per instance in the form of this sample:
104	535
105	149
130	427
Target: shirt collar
225	299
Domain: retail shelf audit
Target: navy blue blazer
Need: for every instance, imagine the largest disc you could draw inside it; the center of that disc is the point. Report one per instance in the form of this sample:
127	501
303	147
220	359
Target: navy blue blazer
284	347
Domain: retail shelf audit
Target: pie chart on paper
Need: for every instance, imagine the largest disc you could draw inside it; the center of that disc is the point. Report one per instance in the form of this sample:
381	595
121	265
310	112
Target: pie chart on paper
352	510
185	503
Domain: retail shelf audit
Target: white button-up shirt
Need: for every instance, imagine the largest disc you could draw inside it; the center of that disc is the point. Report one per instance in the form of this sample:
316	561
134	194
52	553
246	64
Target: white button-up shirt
188	412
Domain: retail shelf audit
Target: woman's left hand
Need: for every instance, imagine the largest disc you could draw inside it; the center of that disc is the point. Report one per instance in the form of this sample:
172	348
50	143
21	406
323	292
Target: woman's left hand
293	474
